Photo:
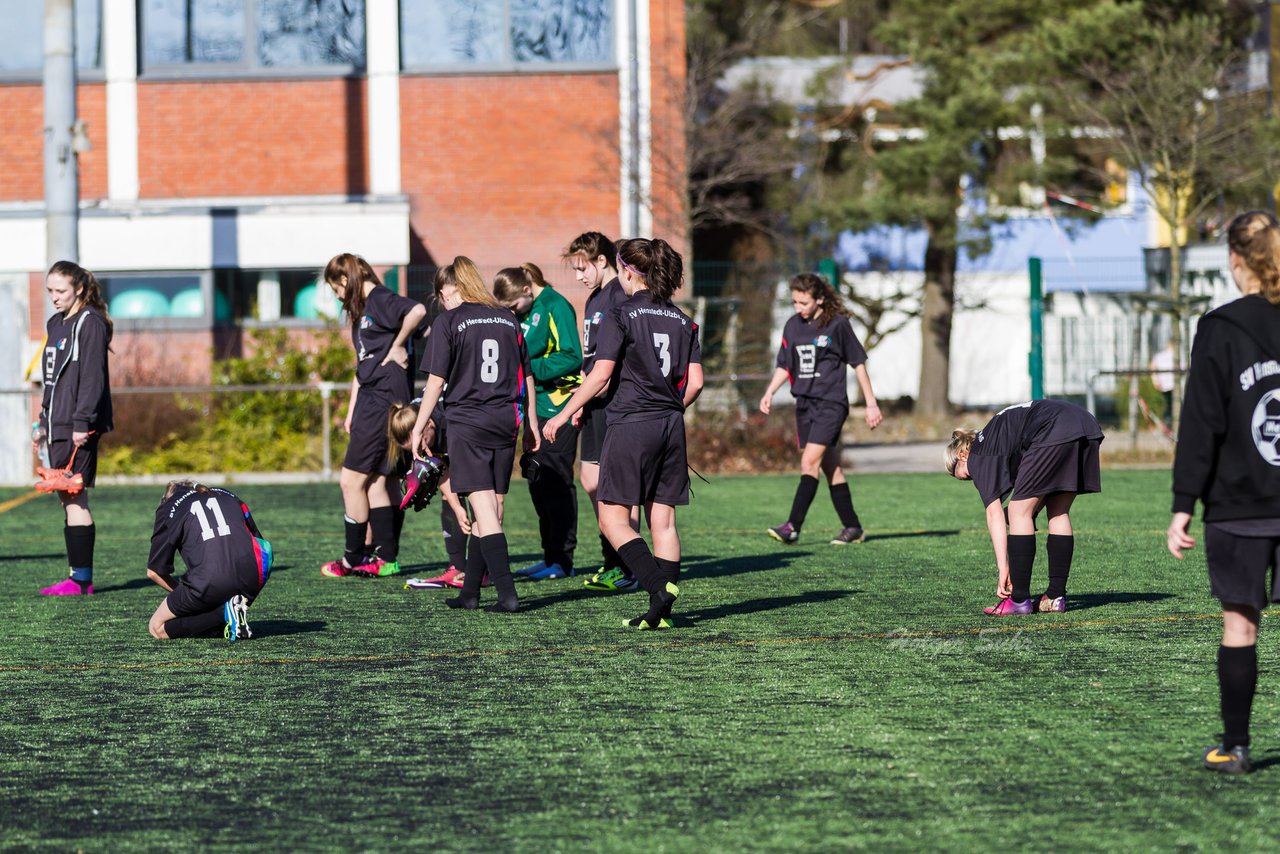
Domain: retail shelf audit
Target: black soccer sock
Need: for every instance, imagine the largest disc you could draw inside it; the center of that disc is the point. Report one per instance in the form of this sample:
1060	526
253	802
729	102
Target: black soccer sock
386	545
399	516
1022	556
669	572
1237	679
469	598
354	553
637	558
79	540
805	492
1060	547
498	561
611	558
843	501
455	542
209	624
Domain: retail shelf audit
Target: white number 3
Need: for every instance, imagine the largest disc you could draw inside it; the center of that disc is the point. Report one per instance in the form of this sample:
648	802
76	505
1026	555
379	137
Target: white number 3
662	341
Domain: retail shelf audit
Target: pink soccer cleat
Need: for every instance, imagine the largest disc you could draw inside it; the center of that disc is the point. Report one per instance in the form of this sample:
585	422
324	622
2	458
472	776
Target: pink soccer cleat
68	587
1008	607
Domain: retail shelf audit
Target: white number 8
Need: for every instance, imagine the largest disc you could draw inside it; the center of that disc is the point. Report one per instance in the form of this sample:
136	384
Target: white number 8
489	360
662	341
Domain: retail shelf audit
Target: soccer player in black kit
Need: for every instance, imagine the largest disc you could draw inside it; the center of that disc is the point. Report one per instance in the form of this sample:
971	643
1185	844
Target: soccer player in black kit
817	343
1040	454
382	324
227	559
476	347
654	349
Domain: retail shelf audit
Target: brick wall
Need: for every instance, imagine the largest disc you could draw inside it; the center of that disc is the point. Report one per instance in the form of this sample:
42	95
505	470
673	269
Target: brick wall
22	142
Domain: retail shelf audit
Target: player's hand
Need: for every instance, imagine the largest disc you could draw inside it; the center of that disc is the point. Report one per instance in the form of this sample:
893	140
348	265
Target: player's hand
1004	587
346	423
873	416
1178	538
766	403
80	439
463	522
532	441
399	355
552	427
576	421
419	444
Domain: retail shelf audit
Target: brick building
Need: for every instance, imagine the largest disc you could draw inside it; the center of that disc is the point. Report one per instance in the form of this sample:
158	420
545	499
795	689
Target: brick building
237	144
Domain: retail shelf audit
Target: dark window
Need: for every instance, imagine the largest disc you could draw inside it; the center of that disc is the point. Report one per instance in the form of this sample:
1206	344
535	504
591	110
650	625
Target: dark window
268	296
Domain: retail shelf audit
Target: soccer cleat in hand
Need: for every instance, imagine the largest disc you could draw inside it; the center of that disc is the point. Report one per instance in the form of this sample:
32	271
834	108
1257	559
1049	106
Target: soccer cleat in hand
421	483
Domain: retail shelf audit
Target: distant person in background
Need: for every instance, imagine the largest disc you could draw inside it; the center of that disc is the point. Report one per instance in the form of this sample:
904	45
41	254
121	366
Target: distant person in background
228	561
1228	458
76	409
818	342
550	328
382	323
1163	378
1039	454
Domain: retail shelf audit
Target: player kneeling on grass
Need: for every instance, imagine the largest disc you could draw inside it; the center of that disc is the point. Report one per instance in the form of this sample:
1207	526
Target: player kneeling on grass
817	342
654	347
1228	459
227	561
1040	454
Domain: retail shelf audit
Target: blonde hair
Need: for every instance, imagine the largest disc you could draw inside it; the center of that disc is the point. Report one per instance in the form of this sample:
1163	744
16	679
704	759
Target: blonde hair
464	276
401	420
1255	237
961	441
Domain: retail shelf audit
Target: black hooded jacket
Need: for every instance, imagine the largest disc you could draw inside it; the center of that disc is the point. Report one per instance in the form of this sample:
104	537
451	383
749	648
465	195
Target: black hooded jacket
77	379
1229	440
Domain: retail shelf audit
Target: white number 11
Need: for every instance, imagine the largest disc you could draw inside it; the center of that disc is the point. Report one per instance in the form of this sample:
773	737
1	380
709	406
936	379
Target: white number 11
206	532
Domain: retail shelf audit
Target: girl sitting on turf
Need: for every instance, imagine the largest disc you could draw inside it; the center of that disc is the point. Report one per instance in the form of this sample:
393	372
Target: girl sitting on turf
1227	459
476	347
382	322
817	343
1040	454
653	346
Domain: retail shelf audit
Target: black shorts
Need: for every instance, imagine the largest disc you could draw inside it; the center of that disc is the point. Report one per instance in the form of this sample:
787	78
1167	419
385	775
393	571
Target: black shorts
554	460
203	589
1069	467
1241	567
819	422
591	428
645	461
85	463
367	448
475	469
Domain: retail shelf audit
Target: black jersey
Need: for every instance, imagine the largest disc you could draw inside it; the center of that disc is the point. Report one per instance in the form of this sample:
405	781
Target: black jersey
212	530
77	378
1000	446
384	313
814	357
480	353
653	345
599	305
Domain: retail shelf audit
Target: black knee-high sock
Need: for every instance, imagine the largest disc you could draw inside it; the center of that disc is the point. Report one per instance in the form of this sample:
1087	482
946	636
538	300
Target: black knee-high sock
611	559
79	540
843	500
399	517
1237	679
474	573
208	624
386	545
669	573
1022	556
805	492
1060	547
354	554
638	560
498	561
455	542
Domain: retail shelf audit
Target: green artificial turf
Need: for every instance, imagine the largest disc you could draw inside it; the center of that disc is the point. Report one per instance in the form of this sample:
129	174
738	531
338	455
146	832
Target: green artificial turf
811	697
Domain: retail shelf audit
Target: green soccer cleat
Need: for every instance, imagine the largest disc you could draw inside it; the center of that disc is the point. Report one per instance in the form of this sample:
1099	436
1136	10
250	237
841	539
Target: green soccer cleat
610	580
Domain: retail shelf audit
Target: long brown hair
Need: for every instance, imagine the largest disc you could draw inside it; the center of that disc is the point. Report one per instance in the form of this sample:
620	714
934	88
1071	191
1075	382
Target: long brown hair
1255	237
87	288
818	288
357	272
401	420
659	264
464	276
509	282
591	245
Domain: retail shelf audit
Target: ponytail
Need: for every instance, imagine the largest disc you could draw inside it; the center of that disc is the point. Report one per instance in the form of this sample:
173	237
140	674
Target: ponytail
464	276
401	420
592	245
1255	237
87	288
661	266
357	272
961	441
830	305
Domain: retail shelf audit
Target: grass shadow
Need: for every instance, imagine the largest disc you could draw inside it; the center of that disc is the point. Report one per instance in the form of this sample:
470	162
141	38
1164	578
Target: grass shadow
287	627
755	606
904	534
48	556
1085	601
132	584
707	567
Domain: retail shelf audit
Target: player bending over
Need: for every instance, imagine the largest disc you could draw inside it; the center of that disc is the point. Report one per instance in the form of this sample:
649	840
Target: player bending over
1039	454
227	561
